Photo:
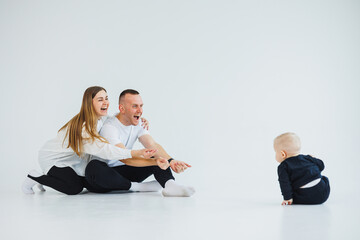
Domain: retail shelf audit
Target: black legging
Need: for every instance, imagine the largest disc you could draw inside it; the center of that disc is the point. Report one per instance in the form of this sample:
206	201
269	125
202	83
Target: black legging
64	180
103	178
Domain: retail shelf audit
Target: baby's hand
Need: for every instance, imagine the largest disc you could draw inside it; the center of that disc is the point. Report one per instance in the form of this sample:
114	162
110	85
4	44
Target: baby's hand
287	202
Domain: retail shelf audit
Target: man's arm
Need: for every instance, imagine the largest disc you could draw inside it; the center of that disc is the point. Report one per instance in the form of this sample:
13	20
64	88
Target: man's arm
140	158
141	162
137	162
148	142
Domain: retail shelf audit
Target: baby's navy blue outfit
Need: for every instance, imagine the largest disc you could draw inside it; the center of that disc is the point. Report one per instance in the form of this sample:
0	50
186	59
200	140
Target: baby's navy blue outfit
297	171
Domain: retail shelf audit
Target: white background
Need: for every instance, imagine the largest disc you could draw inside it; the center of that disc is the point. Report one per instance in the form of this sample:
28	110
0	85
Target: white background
219	79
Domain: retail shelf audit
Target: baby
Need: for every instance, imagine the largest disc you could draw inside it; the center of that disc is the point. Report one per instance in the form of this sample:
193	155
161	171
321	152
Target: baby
299	175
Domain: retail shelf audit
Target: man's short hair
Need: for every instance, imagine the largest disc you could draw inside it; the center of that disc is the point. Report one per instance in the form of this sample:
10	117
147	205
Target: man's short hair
128	91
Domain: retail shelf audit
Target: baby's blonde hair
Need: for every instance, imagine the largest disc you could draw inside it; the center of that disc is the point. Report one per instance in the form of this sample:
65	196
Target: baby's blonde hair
289	142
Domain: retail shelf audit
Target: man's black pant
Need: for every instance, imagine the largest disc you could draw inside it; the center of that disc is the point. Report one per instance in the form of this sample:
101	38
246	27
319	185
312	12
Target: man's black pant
103	178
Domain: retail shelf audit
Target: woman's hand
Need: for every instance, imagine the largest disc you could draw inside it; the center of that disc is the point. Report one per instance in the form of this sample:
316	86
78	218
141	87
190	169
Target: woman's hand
145	123
143	153
162	163
179	166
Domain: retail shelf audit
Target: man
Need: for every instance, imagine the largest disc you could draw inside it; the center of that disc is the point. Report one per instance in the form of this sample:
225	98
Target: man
123	130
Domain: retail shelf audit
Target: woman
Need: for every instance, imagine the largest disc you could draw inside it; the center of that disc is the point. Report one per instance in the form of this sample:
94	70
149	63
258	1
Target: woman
64	158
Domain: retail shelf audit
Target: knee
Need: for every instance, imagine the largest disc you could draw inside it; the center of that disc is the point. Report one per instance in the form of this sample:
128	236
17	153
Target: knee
96	170
92	165
93	168
74	190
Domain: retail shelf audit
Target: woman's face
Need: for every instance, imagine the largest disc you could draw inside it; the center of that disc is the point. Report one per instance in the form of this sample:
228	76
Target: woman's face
101	103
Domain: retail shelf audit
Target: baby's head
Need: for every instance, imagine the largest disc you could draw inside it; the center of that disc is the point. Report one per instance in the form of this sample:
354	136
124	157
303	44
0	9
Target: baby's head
286	145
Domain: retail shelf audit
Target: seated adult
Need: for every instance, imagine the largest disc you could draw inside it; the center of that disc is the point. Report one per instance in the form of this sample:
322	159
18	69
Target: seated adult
122	130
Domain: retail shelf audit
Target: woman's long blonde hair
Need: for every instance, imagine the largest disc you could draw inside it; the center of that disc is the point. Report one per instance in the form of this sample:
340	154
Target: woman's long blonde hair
86	119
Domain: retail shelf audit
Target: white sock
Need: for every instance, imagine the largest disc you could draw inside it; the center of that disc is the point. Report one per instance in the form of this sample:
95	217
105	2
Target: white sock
172	189
152	186
29	183
41	187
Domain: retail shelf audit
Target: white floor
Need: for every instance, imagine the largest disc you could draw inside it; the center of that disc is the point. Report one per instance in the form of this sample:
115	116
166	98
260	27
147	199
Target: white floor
51	215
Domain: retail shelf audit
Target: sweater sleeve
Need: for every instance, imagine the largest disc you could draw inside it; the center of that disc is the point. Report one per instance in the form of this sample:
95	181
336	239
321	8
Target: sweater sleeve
105	150
284	181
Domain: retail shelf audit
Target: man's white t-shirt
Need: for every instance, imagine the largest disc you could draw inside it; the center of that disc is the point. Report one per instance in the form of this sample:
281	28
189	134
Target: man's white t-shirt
116	132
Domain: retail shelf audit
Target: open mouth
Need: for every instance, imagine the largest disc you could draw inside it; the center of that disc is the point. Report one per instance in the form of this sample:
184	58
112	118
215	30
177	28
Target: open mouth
103	109
137	117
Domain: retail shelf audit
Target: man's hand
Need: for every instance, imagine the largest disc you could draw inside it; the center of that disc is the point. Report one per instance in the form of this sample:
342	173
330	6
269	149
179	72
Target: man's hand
145	123
179	166
162	163
143	153
287	202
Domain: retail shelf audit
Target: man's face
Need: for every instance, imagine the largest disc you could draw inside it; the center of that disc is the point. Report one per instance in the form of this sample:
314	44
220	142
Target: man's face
131	108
